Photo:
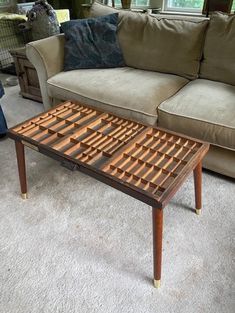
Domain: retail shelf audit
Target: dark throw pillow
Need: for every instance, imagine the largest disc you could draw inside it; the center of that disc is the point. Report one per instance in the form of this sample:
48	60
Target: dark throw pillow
65	26
92	43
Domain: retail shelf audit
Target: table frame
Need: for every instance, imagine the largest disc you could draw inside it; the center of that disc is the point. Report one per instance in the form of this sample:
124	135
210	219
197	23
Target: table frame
195	165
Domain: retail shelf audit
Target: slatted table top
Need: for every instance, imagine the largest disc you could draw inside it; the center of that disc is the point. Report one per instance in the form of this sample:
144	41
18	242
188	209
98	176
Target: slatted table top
146	162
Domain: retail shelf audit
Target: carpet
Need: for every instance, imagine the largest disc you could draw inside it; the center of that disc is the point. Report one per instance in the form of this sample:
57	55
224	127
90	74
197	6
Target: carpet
77	245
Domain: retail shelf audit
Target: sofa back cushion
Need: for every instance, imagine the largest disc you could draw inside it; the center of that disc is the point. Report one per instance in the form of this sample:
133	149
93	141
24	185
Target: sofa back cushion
219	50
98	9
167	45
164	45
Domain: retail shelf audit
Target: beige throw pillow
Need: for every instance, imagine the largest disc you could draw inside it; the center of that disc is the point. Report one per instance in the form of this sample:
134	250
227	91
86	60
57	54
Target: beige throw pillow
99	9
219	50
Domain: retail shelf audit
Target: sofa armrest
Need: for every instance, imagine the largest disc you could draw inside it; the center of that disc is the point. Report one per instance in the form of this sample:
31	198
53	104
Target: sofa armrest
47	56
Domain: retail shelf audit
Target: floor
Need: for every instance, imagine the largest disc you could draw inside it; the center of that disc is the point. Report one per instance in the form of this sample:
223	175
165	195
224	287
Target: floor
77	245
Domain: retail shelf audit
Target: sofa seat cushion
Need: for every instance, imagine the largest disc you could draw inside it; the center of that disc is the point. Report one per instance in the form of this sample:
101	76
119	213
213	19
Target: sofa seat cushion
203	109
130	92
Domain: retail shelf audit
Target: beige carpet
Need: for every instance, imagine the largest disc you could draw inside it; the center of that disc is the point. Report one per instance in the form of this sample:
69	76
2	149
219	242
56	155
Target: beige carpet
77	245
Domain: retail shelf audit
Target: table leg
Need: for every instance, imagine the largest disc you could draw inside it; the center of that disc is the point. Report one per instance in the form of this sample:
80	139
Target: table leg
157	215
198	187
21	168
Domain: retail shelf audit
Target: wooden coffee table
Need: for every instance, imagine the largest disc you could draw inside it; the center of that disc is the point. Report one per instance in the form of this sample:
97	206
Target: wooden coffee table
146	162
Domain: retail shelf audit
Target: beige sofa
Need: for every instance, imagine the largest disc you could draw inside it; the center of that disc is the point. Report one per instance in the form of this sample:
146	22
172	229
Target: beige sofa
179	74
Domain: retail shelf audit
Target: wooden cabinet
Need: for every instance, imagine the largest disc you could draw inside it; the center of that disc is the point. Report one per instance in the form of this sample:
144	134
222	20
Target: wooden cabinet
27	75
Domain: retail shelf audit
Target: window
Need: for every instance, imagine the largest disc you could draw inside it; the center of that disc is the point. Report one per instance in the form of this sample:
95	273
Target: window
169	5
134	3
184	5
4	3
187	5
233	7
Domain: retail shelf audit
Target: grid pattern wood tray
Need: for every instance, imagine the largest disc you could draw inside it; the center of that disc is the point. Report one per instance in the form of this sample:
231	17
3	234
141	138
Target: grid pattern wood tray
132	156
80	132
153	162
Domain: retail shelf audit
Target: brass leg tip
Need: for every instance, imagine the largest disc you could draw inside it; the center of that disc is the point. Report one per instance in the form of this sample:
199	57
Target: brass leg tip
157	283
198	211
24	196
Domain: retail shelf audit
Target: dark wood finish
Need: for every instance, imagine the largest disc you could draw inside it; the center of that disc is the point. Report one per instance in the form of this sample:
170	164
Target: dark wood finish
148	163
198	185
157	216
21	166
27	75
